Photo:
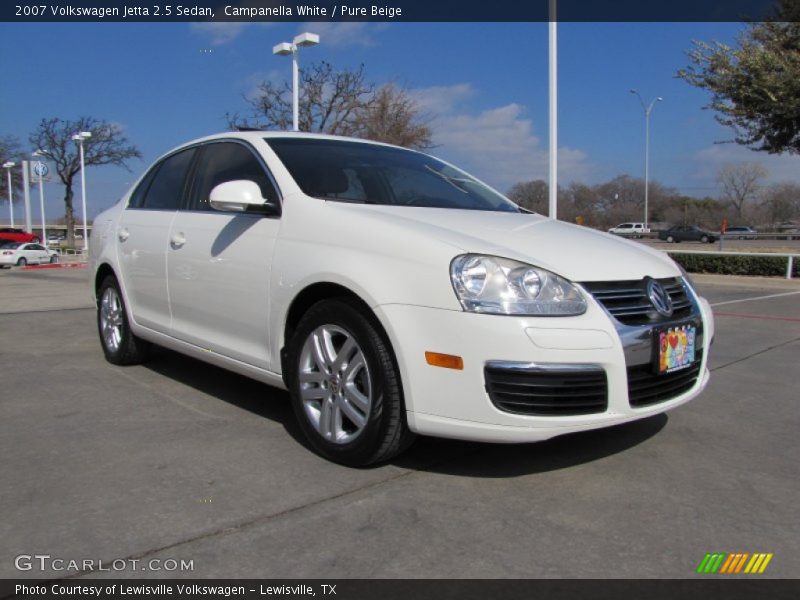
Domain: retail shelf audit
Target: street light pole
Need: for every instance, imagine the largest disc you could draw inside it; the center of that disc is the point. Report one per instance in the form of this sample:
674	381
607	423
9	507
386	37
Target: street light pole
79	137
648	108
286	49
553	120
37	154
7	166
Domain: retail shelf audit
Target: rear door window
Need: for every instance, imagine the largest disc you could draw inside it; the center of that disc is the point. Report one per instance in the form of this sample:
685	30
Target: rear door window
166	189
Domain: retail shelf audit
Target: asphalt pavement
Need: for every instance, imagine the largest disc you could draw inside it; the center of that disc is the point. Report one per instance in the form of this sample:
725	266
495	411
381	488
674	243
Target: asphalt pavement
179	460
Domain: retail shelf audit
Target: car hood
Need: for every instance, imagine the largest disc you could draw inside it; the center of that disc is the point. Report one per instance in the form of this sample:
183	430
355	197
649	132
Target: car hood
575	252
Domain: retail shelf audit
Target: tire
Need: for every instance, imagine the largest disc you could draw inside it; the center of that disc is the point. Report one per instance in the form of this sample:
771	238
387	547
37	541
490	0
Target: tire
670	239
22	262
120	345
352	415
704	239
53	259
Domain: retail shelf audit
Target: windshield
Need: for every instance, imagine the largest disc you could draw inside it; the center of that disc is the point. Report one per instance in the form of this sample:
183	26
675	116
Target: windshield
372	174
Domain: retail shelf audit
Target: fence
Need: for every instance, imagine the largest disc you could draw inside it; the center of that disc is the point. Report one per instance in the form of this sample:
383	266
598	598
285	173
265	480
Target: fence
789	257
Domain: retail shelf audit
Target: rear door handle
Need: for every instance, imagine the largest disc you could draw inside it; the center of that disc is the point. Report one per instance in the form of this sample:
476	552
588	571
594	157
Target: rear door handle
177	240
123	234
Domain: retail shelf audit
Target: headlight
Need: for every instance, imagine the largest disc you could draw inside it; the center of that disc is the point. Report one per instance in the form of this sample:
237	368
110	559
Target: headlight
500	286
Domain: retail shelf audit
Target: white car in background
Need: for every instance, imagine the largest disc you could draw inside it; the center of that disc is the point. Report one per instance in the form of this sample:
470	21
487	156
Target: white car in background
391	294
19	254
630	229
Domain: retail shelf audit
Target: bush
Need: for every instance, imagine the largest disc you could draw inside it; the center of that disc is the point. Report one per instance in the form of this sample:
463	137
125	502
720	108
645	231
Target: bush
735	265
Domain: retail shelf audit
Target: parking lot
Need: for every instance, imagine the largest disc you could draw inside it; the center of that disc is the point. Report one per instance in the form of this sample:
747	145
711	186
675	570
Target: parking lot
180	460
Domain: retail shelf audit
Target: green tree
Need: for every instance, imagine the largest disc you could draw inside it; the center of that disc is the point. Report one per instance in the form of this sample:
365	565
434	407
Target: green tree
107	146
755	85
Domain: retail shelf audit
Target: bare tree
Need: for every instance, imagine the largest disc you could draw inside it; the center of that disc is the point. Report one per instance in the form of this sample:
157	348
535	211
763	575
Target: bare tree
740	183
338	103
781	203
328	101
532	195
392	116
107	146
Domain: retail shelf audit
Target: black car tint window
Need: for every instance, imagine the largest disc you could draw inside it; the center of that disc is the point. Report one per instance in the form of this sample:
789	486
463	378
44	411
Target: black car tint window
167	187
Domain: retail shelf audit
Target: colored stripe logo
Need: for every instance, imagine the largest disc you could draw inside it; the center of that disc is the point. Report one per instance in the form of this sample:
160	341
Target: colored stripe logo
723	563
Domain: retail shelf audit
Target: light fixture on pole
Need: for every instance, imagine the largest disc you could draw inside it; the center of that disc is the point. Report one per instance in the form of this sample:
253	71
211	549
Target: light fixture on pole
7	166
40	168
286	49
648	108
79	137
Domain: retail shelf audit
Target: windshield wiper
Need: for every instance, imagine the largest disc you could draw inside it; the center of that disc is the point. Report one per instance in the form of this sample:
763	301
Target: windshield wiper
449	180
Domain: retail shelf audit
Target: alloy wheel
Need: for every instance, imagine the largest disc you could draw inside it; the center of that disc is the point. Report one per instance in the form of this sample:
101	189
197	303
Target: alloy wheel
335	384
111	323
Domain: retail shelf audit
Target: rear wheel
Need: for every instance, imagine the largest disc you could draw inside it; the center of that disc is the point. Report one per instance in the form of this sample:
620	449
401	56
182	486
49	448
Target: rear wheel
120	345
345	388
22	261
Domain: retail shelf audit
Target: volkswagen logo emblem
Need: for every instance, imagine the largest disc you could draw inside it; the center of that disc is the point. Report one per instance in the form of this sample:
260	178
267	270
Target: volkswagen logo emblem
659	298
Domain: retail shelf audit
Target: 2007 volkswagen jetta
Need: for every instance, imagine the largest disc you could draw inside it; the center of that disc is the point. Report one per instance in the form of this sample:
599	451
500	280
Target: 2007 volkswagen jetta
392	294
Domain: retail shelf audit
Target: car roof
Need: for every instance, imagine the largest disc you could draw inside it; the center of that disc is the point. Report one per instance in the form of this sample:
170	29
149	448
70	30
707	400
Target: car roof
252	136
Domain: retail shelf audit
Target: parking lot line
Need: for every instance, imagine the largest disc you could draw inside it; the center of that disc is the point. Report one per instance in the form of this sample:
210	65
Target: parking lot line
755	298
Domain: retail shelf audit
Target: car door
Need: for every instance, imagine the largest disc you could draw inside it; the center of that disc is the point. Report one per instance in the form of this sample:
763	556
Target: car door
41	255
31	254
143	238
219	262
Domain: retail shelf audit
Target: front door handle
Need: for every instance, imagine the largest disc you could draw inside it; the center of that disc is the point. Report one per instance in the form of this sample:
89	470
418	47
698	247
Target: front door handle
123	234
177	240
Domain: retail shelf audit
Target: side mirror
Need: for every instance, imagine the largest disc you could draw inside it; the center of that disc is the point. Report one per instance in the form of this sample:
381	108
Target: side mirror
237	196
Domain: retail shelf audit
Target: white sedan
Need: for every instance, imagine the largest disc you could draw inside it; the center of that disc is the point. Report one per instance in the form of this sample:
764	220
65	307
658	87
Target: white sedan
392	294
16	253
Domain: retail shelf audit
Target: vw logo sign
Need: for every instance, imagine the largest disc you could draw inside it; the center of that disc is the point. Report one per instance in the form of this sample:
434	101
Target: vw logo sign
40	169
659	298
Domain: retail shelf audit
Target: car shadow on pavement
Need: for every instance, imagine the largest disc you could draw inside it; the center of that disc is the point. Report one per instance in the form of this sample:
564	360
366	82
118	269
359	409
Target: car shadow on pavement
248	394
512	460
434	455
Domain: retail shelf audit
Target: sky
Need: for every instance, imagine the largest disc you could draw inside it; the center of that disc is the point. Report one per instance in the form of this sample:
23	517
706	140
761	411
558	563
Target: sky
483	85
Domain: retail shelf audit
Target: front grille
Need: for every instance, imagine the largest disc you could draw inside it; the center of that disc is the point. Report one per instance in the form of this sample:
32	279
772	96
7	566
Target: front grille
646	388
627	301
547	392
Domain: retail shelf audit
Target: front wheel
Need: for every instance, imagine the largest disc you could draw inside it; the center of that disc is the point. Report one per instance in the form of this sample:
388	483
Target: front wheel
670	239
22	262
704	239
345	387
120	345
53	259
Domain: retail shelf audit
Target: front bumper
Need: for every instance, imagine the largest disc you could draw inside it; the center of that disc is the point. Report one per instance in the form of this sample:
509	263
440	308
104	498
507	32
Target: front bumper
454	403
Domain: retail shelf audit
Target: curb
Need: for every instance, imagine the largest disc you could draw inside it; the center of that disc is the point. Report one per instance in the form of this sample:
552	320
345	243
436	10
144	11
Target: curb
54	266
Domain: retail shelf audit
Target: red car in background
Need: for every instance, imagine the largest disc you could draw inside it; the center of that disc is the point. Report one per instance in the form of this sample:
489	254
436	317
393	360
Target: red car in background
9	234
